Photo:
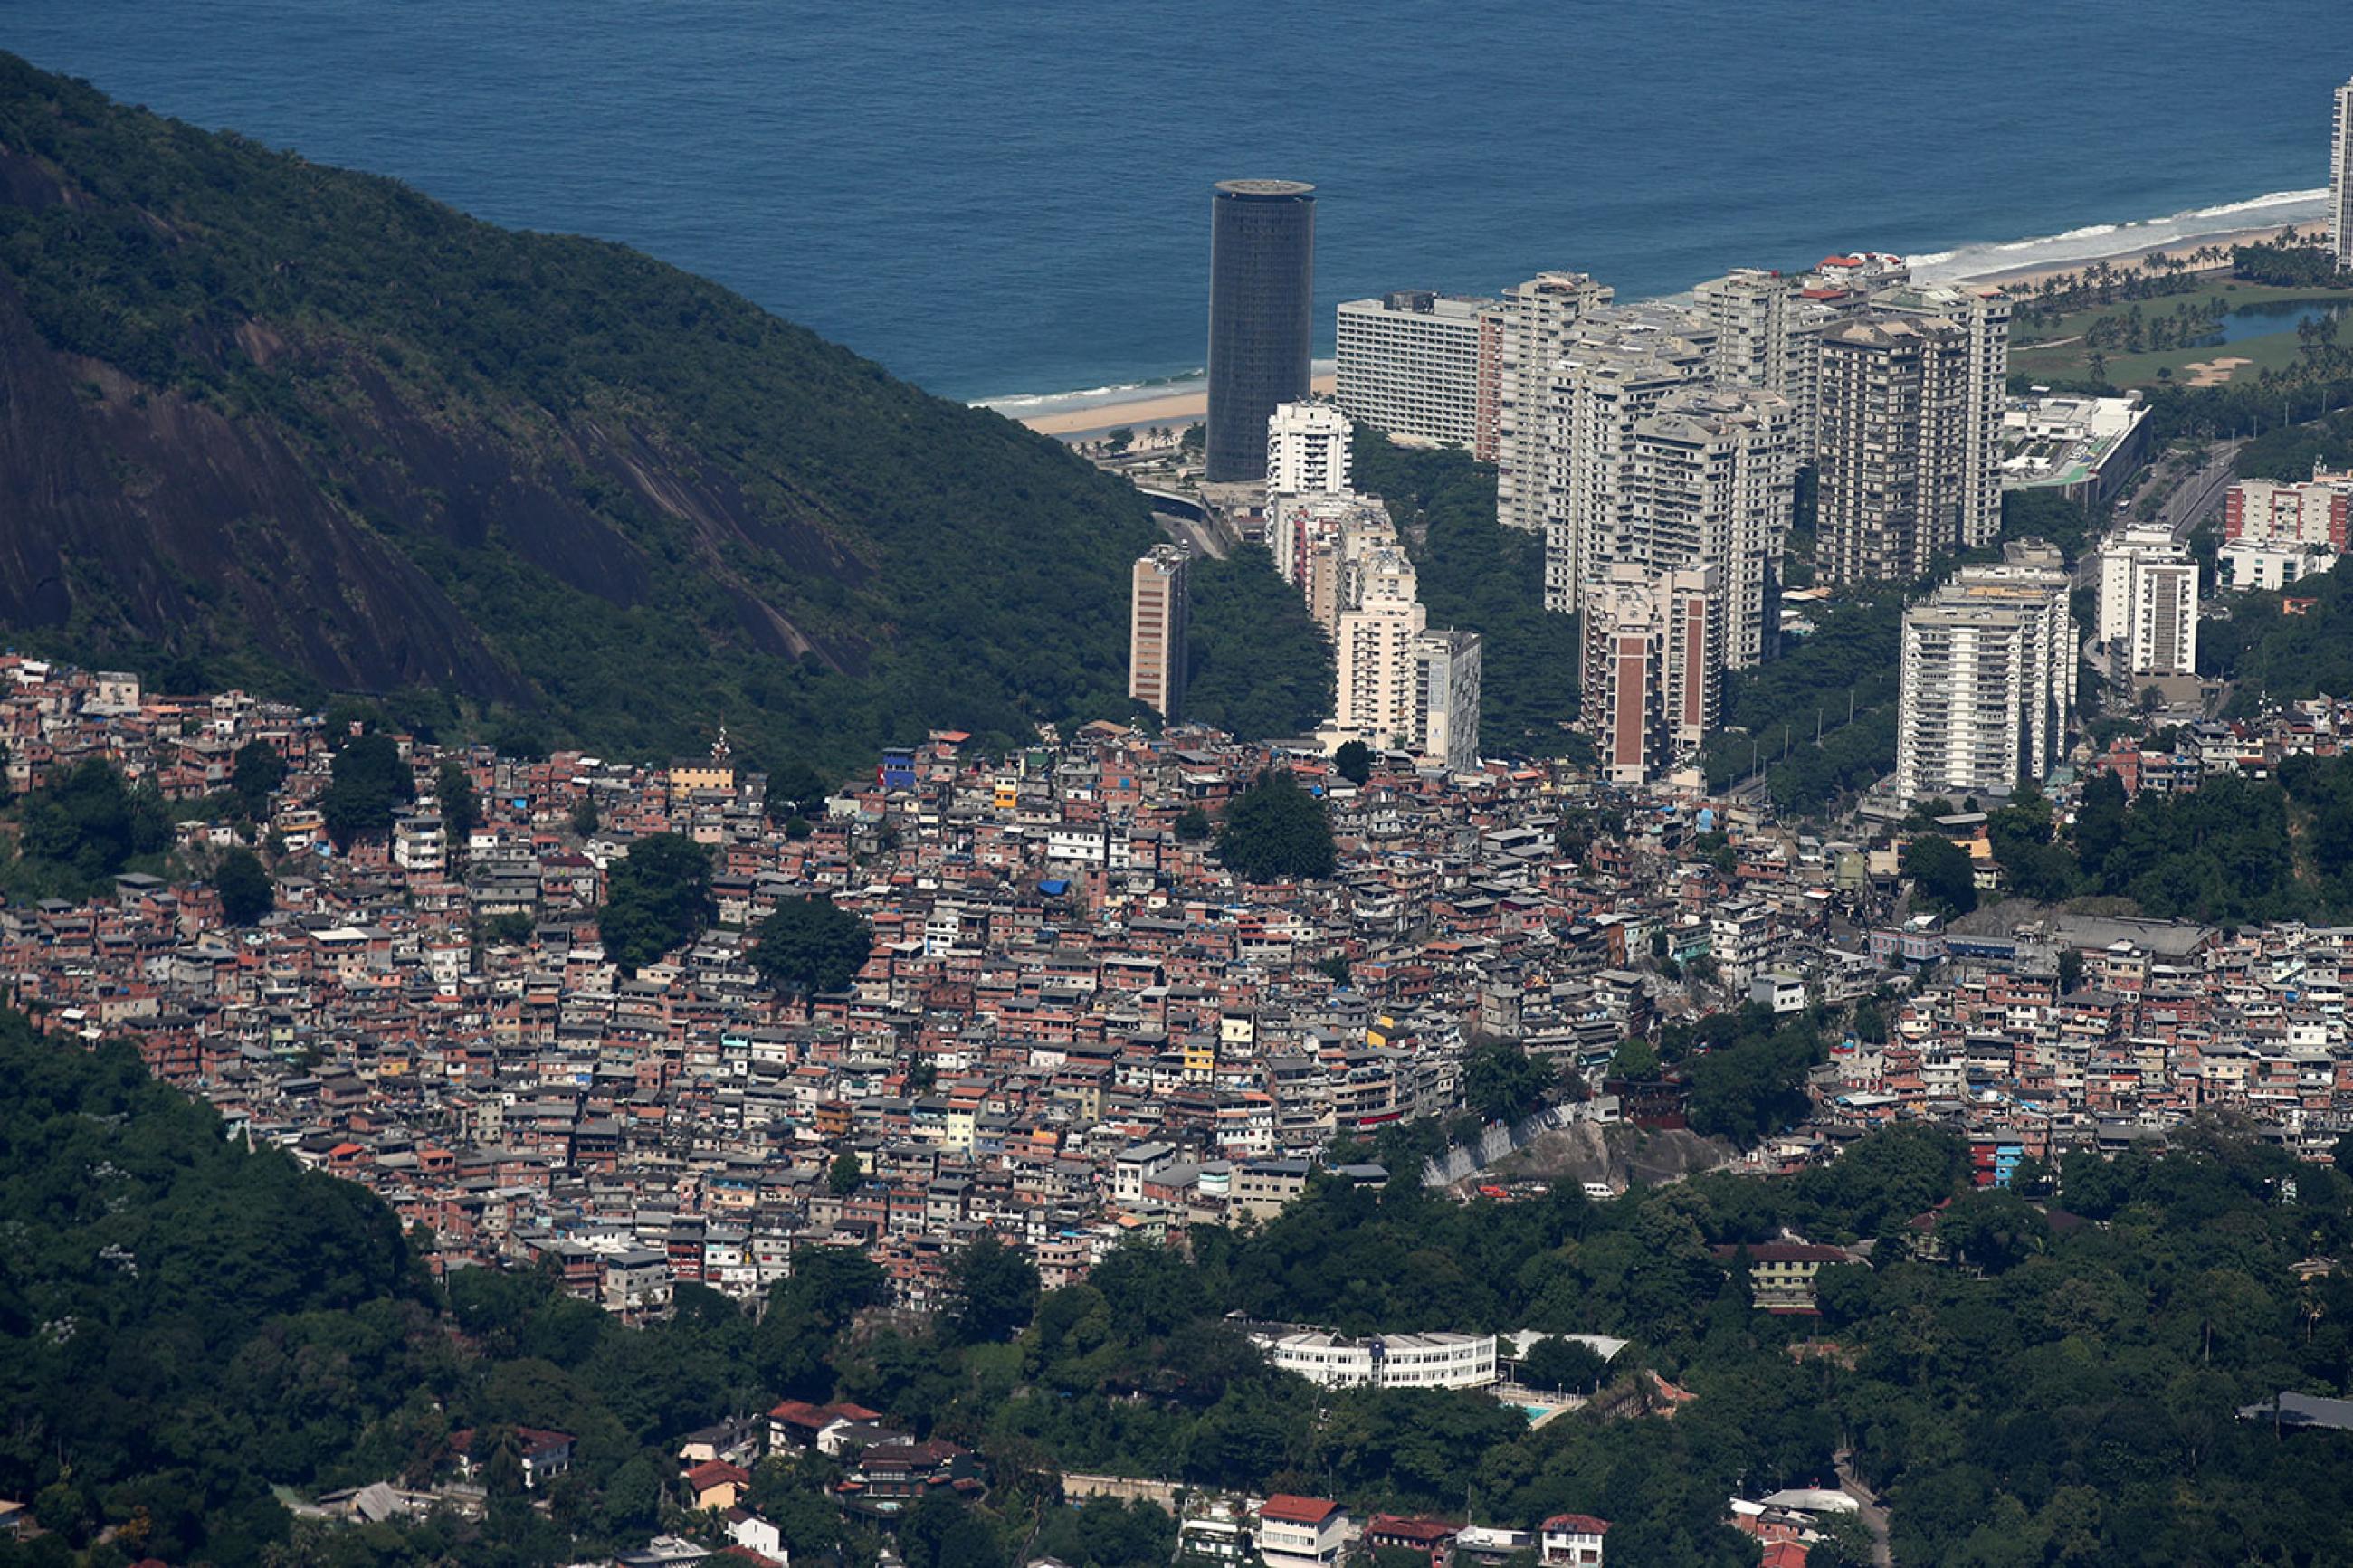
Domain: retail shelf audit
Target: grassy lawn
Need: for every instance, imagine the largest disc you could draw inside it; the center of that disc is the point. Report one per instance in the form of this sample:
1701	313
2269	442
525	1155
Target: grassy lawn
2066	361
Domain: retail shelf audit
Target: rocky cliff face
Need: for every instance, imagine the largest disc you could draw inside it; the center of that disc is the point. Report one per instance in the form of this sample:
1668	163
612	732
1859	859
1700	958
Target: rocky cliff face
250	405
144	516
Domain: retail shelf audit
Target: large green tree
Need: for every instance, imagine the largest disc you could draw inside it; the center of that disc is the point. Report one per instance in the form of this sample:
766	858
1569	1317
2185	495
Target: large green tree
656	899
1501	1082
992	1292
1275	831
256	771
370	782
85	825
243	886
811	946
1569	1365
1942	875
461	810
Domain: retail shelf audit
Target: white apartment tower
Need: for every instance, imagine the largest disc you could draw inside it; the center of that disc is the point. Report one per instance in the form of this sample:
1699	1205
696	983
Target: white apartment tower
1653	683
1537	316
2149	603
2340	177
1426	366
1987	680
1376	647
1714	482
1609	380
1158	622
1307	449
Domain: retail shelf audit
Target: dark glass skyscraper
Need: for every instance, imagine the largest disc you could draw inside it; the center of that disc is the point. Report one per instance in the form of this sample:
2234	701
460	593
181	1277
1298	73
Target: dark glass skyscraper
1261	299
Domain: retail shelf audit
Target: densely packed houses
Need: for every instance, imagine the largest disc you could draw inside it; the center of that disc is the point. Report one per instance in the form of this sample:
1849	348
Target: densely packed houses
1074	1026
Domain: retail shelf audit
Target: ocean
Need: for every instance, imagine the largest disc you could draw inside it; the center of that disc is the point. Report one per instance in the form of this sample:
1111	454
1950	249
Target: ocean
1010	201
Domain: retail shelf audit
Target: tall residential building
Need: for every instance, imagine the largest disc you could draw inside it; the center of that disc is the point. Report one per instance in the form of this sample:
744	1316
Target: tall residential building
1609	378
1157	621
1262	303
2272	511
1307	450
1376	649
1983	315
1422	364
2340	177
2149	603
1537	316
1299	526
1892	472
1988	679
1767	336
1445	698
1652	681
1714	482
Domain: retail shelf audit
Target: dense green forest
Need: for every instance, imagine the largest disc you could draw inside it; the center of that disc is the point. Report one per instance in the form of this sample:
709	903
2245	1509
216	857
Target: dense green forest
2289	454
190	1322
1472	571
1261	667
309	431
2270	656
2234	851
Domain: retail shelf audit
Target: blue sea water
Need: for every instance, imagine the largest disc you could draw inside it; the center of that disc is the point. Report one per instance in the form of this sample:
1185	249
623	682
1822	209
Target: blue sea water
999	199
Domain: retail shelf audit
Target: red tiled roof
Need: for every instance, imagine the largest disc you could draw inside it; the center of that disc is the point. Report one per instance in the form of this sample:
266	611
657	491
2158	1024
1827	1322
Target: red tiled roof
799	1413
1291	1510
1577	1524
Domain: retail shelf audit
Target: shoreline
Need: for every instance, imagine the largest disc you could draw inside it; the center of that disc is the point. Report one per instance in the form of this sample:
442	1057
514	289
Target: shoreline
1066	417
2032	272
1165	408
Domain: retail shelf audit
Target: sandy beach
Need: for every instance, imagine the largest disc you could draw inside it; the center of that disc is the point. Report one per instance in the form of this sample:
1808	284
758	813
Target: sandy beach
2014	276
1177	408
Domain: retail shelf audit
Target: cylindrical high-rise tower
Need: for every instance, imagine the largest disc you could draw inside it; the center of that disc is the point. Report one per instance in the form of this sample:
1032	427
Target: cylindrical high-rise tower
1261	308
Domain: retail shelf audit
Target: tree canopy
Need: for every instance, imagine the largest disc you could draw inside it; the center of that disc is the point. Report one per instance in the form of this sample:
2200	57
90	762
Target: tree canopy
370	782
256	771
461	810
1942	875
1501	1082
83	827
243	886
1259	666
810	946
657	899
1276	831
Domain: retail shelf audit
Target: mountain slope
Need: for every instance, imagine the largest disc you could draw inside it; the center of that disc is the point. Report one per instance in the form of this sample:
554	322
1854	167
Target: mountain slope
291	421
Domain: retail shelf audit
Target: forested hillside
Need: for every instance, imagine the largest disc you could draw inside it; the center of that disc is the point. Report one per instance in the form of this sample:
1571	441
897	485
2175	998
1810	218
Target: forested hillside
2271	656
266	421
